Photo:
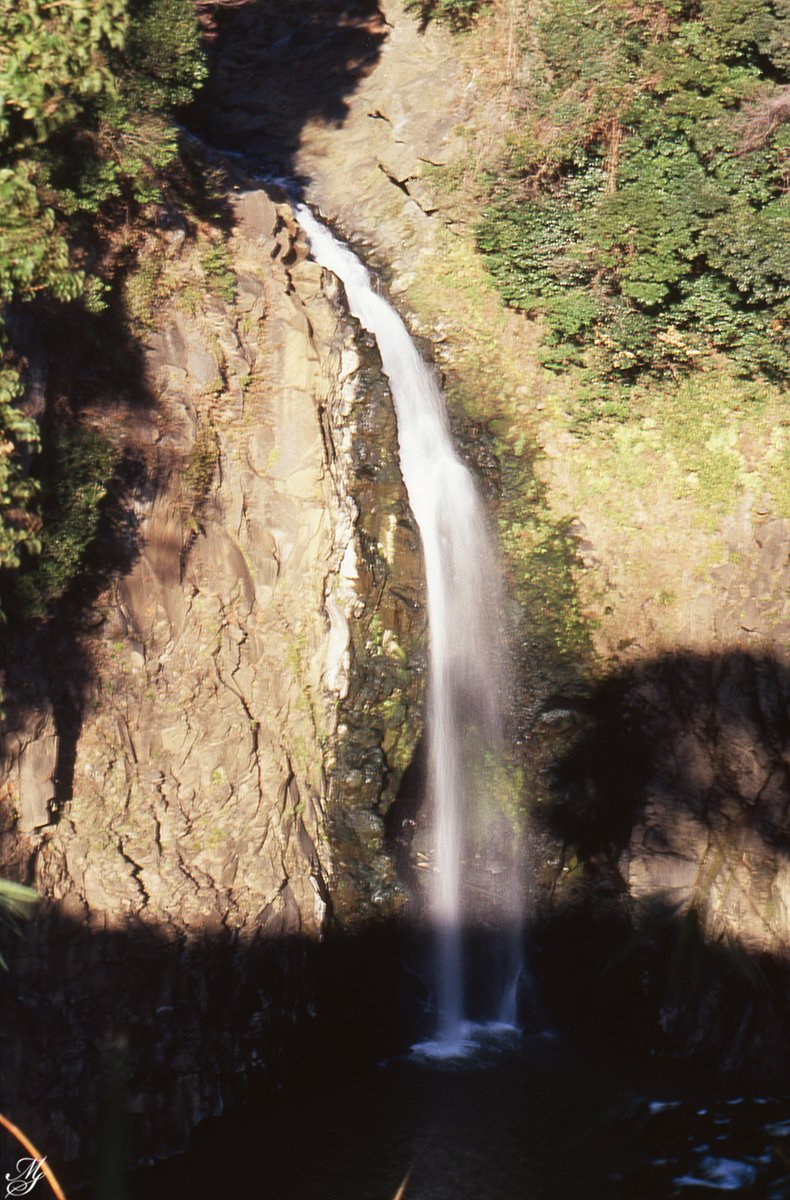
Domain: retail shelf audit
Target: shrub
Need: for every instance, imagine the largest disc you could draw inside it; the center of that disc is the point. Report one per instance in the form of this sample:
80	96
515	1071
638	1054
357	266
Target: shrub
77	465
459	14
643	211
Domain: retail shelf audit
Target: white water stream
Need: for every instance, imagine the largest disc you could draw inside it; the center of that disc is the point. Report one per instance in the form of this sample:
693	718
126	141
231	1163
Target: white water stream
464	721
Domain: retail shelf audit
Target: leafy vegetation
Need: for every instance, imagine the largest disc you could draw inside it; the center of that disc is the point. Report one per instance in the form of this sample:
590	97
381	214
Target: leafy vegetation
457	13
643	210
16	905
87	92
77	466
200	468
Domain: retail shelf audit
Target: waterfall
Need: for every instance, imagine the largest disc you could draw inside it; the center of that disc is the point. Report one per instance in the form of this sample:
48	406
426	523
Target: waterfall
475	867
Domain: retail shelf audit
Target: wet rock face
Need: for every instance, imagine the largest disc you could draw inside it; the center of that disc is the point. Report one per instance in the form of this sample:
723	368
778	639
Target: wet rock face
213	800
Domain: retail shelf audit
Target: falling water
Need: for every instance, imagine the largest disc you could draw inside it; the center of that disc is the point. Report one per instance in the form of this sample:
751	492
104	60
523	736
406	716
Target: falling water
473	838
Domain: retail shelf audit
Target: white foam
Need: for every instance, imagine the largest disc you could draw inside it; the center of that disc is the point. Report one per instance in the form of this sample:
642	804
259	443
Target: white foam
473	1037
721	1175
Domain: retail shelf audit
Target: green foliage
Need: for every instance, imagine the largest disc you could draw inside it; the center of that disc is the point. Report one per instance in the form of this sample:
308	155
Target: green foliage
644	210
53	59
34	254
218	267
87	89
16	905
53	67
18	526
77	465
458	14
164	62
201	466
143	291
126	138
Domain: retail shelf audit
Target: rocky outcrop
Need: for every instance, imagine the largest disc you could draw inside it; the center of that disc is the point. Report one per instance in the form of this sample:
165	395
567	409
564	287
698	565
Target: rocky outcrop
34	748
395	131
215	799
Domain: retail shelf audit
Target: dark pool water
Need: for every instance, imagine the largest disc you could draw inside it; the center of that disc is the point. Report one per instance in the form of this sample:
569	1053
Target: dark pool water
522	1118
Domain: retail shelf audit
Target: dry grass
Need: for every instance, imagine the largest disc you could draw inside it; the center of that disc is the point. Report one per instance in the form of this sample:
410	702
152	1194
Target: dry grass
764	119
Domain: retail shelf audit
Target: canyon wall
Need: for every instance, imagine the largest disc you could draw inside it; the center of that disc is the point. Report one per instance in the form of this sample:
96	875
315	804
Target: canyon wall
231	717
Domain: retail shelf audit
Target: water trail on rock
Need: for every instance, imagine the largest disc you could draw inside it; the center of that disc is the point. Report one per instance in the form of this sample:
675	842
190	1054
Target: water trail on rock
476	863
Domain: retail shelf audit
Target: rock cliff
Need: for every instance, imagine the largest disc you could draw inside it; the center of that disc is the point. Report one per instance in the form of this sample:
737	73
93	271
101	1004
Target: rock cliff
210	792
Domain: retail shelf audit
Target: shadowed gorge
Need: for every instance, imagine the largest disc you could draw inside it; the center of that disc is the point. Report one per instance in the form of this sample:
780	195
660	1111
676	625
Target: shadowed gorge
50	603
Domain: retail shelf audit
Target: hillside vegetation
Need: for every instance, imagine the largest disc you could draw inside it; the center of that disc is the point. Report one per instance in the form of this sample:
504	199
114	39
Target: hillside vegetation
642	208
88	91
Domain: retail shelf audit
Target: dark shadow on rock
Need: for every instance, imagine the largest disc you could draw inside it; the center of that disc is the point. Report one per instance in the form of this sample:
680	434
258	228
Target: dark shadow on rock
91	385
667	921
707	735
403	815
274	67
203	1022
139	1035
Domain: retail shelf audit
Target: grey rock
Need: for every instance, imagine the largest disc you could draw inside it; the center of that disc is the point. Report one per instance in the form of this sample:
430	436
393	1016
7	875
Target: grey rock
37	764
